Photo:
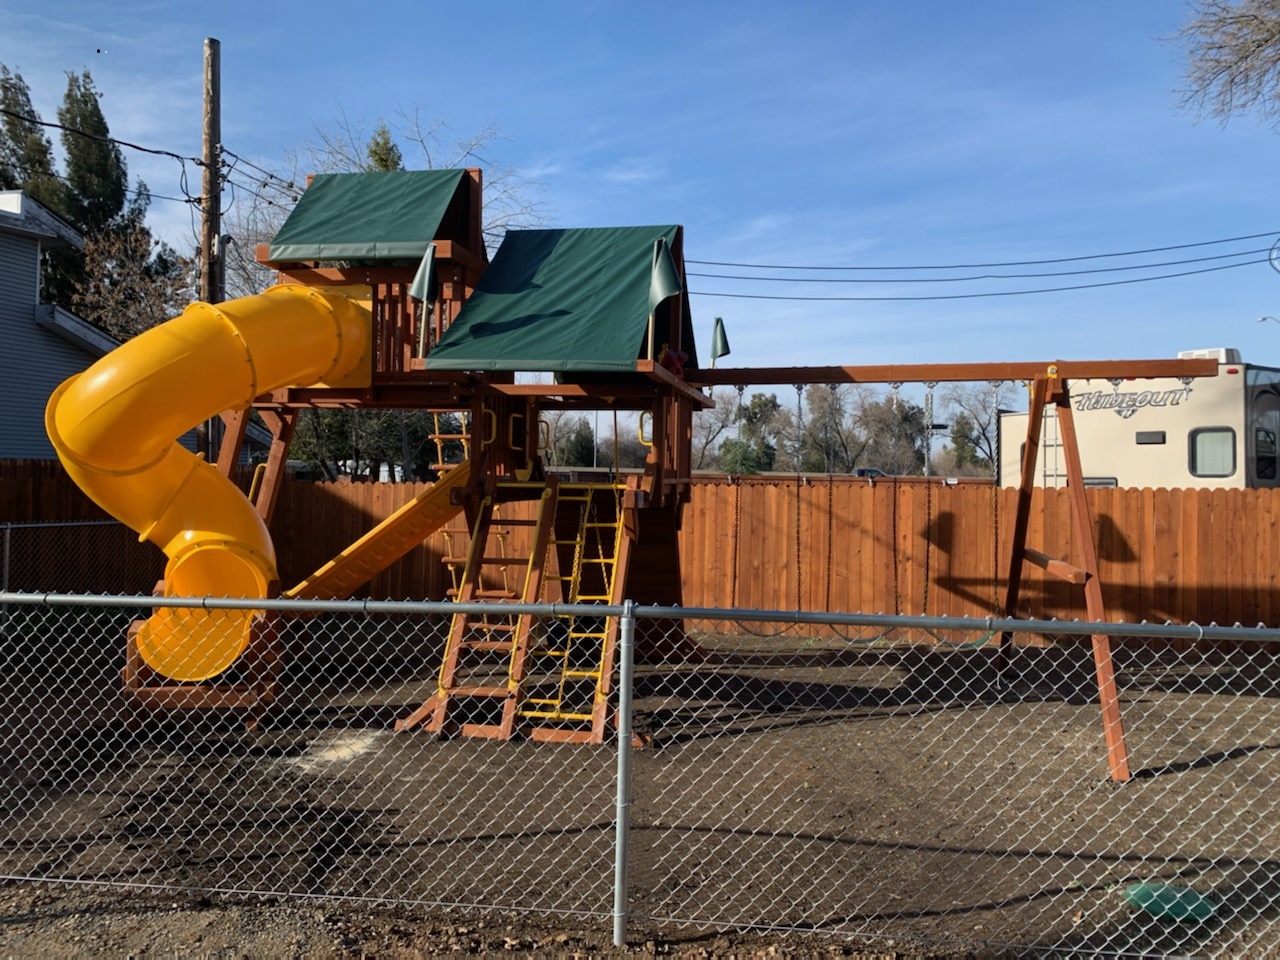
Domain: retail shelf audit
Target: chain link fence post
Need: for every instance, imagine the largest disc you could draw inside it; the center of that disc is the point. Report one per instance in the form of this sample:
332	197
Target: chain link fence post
626	689
4	581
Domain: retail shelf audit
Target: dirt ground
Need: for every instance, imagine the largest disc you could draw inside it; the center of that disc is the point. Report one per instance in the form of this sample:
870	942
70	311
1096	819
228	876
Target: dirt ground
797	796
43	921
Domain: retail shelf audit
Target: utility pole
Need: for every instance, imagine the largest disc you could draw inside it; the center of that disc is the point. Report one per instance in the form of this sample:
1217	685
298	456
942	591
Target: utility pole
211	205
211	187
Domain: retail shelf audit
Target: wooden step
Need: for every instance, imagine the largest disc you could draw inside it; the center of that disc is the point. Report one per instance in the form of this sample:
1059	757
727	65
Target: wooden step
484	594
495	693
503	627
487	645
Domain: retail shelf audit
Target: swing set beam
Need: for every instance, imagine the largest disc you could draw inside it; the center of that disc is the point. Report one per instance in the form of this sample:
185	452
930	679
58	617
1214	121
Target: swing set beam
953	372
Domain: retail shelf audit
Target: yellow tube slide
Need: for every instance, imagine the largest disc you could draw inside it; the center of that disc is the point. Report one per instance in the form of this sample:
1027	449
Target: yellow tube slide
114	428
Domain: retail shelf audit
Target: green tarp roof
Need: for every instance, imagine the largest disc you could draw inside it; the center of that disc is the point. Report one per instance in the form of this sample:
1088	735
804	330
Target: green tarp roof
560	301
389	215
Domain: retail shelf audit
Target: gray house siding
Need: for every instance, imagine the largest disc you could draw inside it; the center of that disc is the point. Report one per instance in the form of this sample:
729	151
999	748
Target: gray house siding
33	361
41	346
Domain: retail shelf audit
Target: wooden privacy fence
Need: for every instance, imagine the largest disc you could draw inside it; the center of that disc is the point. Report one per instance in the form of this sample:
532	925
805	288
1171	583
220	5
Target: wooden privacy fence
902	545
928	547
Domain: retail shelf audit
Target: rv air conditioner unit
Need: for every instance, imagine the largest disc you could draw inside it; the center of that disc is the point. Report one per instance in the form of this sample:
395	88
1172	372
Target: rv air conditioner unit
1221	354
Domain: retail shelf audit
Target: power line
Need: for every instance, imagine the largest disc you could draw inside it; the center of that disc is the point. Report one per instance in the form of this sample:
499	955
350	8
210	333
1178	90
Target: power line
255	189
985	276
288	185
256	186
982	266
99	137
974	296
128	190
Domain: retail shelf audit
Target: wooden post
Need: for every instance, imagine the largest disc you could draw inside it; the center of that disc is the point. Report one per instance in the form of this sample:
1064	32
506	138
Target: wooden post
282	424
1082	521
211	203
235	423
1035	417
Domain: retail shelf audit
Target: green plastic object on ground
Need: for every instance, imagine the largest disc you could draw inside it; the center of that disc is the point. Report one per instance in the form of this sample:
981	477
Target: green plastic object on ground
1168	900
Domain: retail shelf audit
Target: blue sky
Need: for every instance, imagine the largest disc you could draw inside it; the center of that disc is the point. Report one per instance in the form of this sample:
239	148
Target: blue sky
856	133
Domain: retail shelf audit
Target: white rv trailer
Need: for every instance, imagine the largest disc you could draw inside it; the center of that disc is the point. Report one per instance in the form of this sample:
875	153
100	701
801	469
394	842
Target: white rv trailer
1164	432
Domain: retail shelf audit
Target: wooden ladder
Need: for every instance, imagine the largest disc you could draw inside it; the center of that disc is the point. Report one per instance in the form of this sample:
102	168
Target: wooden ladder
479	684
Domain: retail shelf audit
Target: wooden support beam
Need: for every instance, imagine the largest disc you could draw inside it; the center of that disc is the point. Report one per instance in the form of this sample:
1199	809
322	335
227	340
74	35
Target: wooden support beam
308	272
602	395
236	422
1059	568
684	388
953	372
1082	521
1017	552
281	423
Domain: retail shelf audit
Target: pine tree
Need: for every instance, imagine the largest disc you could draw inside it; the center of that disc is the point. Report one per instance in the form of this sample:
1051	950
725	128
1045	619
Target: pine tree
382	150
26	155
97	177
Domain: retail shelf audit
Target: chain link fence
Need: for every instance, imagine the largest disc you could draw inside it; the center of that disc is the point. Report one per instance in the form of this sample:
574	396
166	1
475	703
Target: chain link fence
900	783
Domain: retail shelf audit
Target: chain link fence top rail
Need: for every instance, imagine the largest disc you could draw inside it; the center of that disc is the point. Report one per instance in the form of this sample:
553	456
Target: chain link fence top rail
883	779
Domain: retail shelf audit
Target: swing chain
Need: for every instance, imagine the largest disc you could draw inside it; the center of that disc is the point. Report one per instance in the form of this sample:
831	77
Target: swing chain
737	533
799	450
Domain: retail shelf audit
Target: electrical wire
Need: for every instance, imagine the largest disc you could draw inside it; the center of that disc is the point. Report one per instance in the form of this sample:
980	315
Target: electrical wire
98	137
255	189
974	296
128	190
985	276
288	185
983	266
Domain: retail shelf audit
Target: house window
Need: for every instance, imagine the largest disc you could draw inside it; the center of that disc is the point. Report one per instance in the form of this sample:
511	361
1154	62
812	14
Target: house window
1212	452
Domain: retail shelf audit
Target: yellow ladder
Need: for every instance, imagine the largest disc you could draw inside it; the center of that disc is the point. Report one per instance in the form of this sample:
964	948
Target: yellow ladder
440	437
571	665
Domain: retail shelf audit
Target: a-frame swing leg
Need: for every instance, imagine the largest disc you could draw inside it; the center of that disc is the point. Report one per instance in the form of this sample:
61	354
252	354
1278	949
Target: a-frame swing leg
1044	391
1022	513
1082	518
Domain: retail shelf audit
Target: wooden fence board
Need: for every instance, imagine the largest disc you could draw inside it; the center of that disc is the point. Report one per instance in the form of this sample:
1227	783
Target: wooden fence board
1182	555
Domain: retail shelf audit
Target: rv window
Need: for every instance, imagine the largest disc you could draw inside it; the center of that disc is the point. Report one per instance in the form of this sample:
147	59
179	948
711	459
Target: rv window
1212	452
1264	447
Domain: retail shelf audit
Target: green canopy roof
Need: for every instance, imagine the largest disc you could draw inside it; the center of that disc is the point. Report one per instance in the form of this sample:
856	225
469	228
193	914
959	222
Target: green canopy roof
390	215
563	300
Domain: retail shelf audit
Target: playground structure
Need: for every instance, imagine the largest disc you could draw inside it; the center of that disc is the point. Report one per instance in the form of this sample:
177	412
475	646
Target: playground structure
387	300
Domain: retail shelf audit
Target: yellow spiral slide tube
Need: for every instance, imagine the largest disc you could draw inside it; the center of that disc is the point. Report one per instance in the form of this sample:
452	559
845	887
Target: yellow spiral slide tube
115	427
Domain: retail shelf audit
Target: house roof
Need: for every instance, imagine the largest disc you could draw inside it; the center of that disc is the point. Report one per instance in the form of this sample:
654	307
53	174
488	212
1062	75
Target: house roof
25	216
391	215
71	328
563	300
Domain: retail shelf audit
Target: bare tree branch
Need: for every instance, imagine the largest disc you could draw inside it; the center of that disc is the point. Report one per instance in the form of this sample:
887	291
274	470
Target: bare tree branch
710	425
1233	59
